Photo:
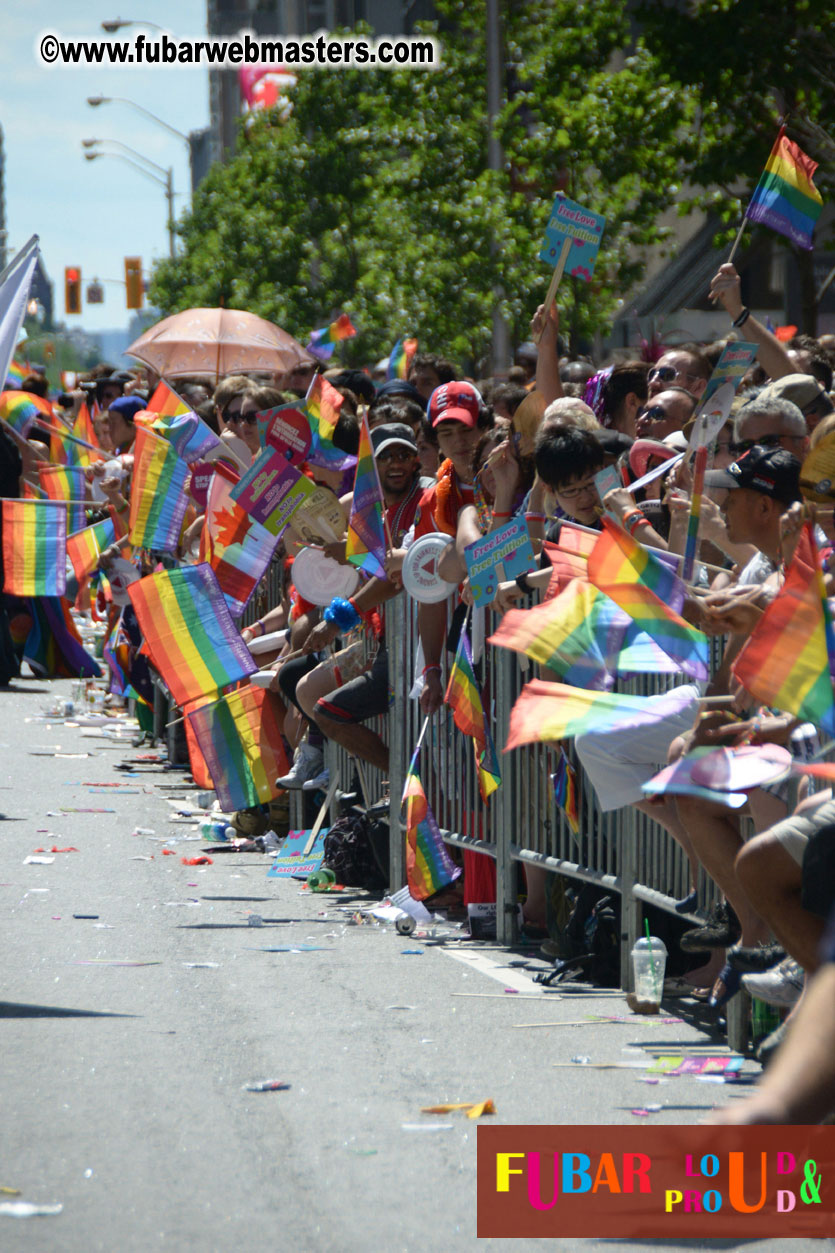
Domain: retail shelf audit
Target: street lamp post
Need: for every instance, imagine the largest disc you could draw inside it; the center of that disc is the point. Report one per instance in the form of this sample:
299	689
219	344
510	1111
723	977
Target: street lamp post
95	101
166	181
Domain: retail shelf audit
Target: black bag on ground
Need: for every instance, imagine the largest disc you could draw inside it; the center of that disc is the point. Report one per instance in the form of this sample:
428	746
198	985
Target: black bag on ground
356	850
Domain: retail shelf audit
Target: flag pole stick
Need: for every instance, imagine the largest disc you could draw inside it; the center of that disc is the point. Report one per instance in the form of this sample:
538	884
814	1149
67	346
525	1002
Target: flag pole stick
736	241
559	268
416	748
75	439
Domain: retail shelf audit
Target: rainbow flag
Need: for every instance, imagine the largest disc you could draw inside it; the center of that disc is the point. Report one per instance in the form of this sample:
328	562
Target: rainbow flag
15	375
564	783
167	403
21	409
788	658
401	358
238	548
116	652
85	547
53	646
365	546
429	866
83	429
240	739
158	498
464	699
650	592
322	342
34	548
65	482
189	633
583	636
553	711
786	199
188	434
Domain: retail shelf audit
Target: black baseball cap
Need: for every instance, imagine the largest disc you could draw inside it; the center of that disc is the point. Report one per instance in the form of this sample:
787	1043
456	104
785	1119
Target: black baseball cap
771	471
391	433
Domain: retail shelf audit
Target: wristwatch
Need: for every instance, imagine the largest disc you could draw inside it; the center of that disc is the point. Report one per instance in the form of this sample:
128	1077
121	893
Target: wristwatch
523	583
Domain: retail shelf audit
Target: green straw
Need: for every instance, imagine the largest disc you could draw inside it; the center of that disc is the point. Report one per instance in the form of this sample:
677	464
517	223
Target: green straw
652	962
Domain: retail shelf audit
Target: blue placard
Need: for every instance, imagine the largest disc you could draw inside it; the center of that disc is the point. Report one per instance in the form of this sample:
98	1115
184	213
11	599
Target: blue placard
585	228
291	863
509	547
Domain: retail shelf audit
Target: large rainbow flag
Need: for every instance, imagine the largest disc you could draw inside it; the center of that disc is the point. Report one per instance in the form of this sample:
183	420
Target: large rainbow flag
365	546
583	636
553	711
240	740
429	866
84	547
66	482
189	633
158	498
464	699
786	198
323	342
650	592
788	659
401	358
238	548
34	548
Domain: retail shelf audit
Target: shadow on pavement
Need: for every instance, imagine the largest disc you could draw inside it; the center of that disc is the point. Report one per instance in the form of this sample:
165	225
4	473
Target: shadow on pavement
13	1009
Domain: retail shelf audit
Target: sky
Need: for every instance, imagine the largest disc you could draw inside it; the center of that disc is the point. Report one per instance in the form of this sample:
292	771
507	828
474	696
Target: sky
93	214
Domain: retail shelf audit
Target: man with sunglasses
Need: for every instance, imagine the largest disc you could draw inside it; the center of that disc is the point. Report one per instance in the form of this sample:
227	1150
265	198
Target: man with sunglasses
772	421
665	412
683	367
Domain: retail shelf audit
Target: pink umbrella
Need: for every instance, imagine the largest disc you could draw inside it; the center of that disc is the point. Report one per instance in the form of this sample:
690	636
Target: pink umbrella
217	342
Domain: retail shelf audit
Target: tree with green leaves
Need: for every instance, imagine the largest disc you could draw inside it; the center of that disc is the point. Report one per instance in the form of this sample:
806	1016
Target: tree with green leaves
374	195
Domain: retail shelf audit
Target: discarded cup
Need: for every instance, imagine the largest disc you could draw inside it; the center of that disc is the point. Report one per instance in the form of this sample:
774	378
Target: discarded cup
649	960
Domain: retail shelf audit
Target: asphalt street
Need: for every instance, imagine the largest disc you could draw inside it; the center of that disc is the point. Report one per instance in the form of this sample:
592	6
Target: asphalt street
130	1032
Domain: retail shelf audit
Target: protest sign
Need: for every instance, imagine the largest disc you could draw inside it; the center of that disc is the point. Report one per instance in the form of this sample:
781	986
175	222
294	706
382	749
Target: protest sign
286	428
272	490
508	550
297	857
569	220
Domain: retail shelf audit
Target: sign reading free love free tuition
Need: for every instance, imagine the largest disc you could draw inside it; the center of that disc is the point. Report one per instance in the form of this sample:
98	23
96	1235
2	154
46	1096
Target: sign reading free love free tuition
570	220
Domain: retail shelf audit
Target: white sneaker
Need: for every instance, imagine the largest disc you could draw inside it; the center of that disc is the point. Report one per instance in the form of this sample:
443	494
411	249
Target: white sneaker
321	781
307	764
780	986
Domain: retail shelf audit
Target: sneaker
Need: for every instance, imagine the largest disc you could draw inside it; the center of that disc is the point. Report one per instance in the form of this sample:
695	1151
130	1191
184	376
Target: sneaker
756	958
321	781
781	986
307	764
720	931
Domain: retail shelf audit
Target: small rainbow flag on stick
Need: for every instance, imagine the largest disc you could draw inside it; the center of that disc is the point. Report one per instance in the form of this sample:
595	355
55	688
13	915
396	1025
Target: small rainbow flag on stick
464	699
401	358
322	342
189	632
788	657
240	740
167	403
21	409
66	483
158	497
786	198
365	545
429	866
85	547
34	548
650	592
15	375
175	421
564	781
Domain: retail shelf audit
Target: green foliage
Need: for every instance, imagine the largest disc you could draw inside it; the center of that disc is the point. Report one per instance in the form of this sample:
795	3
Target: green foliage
374	196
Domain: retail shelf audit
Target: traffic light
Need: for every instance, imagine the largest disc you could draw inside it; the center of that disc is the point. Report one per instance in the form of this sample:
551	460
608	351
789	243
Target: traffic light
72	289
133	282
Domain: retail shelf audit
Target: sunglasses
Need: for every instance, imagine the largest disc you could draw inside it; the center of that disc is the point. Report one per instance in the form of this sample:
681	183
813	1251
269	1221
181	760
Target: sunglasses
655	413
236	416
765	441
666	374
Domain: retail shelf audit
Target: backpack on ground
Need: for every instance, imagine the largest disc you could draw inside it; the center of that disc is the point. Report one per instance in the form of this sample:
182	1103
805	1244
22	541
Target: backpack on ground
357	851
